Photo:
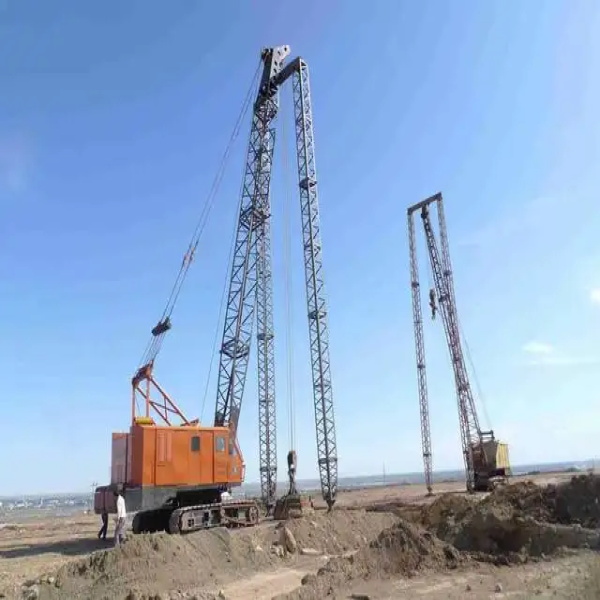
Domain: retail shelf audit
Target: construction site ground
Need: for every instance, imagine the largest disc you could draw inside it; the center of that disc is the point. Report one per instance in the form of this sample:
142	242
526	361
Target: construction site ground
524	541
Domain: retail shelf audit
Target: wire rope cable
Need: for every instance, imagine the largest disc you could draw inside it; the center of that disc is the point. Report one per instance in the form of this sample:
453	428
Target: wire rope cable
289	341
218	326
480	395
222	302
154	345
482	403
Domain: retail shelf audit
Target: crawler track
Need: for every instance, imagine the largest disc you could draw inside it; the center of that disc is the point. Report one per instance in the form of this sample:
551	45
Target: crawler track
194	518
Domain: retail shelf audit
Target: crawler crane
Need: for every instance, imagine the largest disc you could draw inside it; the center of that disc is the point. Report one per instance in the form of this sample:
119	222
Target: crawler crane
485	459
174	475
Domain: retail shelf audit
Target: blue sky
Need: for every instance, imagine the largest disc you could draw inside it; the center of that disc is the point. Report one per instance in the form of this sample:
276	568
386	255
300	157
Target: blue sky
113	119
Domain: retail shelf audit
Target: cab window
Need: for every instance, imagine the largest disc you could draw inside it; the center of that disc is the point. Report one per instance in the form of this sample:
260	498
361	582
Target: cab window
195	443
220	444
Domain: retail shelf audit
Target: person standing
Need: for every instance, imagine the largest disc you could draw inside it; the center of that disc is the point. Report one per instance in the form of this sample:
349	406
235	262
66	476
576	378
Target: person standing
121	517
104	528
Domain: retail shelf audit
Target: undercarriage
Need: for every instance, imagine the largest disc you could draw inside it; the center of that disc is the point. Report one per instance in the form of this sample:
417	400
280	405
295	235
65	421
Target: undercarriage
187	519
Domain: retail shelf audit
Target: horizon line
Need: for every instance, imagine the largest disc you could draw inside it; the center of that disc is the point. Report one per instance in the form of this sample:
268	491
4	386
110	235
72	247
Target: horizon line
308	479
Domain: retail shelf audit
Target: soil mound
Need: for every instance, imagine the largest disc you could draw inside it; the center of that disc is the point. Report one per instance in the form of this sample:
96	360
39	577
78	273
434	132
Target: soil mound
147	565
338	531
520	520
405	549
156	566
572	502
576	501
402	549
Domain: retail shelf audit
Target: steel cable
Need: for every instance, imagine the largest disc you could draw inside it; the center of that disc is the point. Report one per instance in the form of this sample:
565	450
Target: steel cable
154	345
288	287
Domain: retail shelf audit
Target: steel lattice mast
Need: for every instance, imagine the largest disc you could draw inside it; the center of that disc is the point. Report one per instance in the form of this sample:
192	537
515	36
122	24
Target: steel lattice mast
251	280
315	292
254	211
267	427
442	275
420	352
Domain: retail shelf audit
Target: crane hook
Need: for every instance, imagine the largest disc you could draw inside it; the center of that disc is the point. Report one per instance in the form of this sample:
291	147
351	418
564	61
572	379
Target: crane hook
432	303
292	462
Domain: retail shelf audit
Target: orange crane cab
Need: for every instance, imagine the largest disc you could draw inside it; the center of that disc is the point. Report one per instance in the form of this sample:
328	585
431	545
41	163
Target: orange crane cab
152	460
163	469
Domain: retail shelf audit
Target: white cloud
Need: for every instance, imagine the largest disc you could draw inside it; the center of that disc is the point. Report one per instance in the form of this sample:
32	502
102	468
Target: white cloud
564	360
538	348
595	296
545	355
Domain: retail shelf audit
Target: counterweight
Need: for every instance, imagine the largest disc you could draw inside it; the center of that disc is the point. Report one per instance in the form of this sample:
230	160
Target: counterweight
251	282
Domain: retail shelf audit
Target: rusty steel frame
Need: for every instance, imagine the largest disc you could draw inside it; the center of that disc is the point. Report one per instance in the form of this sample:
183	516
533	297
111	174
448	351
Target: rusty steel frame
143	384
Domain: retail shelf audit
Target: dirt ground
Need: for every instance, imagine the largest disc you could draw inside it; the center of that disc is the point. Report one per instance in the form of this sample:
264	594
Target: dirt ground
529	540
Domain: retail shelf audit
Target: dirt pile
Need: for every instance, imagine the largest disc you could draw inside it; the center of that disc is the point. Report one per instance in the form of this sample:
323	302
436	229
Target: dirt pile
147	566
402	549
197	565
338	531
519	521
571	502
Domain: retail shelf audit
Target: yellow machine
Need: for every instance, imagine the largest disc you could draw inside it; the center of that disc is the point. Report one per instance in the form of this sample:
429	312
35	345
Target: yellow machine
491	462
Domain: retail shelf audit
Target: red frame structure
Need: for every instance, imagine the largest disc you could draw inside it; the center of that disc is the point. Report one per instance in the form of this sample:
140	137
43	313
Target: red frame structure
143	384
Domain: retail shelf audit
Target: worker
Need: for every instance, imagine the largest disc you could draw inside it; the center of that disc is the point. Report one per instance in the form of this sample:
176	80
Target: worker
104	528
121	517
